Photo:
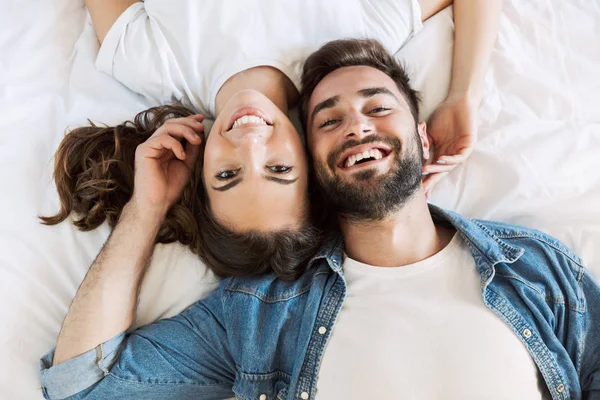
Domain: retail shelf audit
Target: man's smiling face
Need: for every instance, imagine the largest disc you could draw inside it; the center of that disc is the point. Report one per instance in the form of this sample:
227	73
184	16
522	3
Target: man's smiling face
367	148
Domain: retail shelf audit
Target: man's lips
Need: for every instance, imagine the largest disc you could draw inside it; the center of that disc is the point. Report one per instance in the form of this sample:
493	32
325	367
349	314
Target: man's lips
349	158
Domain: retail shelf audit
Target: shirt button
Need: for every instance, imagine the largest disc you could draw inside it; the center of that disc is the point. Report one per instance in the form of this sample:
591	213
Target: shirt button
263	397
304	396
560	388
322	330
527	333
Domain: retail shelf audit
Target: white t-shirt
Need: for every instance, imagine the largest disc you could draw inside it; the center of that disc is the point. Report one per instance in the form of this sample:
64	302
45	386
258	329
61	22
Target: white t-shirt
185	50
422	331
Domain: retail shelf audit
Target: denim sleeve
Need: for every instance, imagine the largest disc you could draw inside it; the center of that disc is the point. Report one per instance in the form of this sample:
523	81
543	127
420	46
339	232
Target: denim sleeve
183	357
590	358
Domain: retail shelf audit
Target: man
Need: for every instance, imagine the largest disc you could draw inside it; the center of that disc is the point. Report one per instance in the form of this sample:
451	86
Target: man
408	300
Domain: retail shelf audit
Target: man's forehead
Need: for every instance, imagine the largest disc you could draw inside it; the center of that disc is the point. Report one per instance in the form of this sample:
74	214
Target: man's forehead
349	81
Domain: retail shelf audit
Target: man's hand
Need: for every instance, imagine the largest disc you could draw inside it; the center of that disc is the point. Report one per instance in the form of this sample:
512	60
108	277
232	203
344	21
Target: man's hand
163	167
453	133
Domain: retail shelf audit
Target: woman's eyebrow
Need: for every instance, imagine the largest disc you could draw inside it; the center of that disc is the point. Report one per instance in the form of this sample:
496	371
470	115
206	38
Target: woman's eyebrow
228	186
267	177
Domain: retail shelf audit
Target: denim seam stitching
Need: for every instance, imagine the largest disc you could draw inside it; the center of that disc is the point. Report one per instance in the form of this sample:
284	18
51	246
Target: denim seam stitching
270	299
277	374
543	240
252	377
510	276
138	382
551	375
495	238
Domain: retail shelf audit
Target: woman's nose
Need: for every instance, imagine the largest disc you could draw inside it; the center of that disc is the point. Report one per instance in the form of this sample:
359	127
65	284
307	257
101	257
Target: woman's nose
249	136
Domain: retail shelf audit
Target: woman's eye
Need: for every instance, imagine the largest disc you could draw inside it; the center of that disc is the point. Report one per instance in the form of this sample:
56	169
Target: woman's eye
378	110
328	123
280	169
225	175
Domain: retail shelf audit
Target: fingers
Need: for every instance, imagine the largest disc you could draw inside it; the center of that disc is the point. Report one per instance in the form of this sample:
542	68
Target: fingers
447	163
432	180
155	147
458	158
192	152
437	168
183	128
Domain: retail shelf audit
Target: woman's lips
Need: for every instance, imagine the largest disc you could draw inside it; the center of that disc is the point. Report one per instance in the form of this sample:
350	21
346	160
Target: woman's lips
248	111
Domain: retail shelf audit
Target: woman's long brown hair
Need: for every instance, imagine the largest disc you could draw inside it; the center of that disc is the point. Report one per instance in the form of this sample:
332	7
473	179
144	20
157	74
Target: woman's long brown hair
94	175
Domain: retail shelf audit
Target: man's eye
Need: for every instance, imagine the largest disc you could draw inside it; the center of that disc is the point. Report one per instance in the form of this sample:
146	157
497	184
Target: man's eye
280	169
226	175
328	123
378	110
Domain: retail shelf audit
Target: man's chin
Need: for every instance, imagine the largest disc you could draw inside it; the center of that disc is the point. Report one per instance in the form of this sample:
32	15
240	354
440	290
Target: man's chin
366	176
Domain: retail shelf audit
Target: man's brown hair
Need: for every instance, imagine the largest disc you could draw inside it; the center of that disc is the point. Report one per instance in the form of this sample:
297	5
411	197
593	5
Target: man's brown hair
349	53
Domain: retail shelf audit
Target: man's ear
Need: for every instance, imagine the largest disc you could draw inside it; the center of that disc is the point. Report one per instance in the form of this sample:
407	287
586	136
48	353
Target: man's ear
422	130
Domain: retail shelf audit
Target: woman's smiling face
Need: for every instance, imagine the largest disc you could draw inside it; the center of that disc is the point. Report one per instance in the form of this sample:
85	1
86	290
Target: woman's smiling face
255	167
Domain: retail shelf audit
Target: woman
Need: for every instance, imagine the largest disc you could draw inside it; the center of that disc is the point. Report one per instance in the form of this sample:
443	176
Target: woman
245	210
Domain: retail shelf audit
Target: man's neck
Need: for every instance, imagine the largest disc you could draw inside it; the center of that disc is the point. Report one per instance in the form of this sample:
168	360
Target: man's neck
270	81
403	238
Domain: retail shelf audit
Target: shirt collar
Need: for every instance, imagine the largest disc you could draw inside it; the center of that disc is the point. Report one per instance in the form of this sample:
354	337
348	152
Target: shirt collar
487	249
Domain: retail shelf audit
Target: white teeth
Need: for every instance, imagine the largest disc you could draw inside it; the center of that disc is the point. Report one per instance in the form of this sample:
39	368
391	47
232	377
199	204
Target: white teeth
373	153
350	161
248	119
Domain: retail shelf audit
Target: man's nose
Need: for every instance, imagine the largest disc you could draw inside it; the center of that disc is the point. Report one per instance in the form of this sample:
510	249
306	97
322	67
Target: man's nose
359	126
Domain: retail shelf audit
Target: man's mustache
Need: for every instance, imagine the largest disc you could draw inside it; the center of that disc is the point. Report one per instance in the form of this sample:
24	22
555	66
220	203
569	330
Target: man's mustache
392	142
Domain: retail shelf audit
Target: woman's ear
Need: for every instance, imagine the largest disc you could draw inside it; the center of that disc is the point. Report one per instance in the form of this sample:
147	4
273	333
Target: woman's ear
422	130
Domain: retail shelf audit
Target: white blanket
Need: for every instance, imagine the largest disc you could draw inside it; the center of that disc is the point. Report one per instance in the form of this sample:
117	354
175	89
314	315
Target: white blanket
536	162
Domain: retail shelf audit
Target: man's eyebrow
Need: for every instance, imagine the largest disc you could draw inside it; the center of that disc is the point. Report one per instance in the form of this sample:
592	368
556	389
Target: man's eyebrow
370	92
330	102
280	180
228	186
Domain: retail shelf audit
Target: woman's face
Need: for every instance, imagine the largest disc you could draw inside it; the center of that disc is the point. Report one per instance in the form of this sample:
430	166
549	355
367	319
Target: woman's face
255	167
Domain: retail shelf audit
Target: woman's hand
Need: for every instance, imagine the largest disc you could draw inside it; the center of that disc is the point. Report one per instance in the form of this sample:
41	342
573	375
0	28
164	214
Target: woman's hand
453	133
163	167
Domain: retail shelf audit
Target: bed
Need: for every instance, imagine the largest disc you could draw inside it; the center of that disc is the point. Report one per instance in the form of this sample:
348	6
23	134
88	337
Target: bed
537	161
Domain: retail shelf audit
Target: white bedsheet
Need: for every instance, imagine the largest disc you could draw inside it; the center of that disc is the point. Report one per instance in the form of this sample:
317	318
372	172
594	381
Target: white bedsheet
536	163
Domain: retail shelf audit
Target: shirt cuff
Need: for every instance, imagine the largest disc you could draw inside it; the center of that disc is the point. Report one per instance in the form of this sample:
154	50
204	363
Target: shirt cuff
108	49
78	373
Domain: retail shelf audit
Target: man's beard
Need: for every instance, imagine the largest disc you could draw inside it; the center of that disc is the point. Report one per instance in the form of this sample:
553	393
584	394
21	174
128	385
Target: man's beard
384	194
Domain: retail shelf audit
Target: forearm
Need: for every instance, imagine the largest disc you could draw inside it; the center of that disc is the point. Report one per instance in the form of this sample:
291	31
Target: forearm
476	26
106	301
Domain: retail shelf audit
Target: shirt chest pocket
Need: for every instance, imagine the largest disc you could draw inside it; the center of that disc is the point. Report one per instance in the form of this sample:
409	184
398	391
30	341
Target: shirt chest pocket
271	386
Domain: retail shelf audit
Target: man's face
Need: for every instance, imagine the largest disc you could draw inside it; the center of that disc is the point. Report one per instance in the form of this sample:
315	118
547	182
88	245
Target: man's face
368	150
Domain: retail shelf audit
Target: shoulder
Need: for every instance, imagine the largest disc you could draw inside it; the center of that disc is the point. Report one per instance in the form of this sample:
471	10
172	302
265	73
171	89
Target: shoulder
547	266
530	239
269	288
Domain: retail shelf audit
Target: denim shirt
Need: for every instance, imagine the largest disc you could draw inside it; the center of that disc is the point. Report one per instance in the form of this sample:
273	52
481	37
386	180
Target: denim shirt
263	338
